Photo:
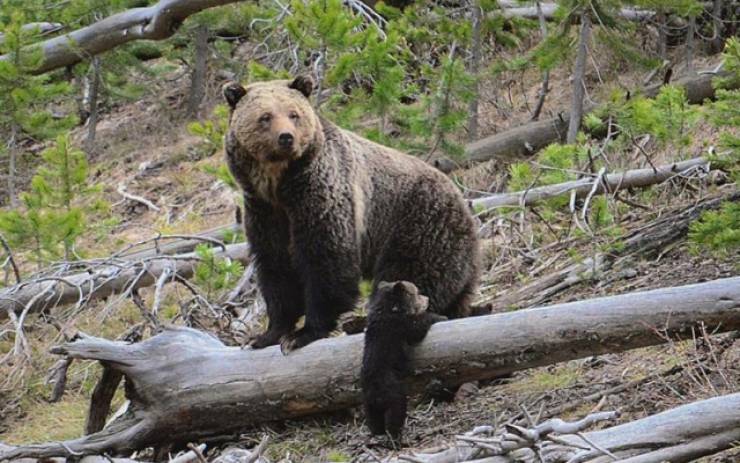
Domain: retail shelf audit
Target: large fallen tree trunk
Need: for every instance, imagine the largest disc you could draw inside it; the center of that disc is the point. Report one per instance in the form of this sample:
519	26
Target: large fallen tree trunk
117	277
156	22
184	385
610	183
678	435
525	140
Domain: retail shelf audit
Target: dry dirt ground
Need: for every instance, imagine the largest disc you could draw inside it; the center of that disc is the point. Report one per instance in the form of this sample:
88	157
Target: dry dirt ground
149	151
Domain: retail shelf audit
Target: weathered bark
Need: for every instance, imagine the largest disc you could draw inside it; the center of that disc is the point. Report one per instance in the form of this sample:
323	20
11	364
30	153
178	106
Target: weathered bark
475	58
184	385
107	280
525	140
579	89
678	435
718	40
662	21
199	70
611	183
92	121
12	157
546	74
511	10
690	32
156	22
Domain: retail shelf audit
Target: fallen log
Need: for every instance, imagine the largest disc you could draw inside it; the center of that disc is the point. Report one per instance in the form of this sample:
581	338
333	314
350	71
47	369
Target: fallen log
525	140
105	280
548	10
155	22
181	244
184	385
610	183
681	434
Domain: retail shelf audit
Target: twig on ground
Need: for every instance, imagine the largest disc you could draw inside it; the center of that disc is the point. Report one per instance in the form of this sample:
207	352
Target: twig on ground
122	191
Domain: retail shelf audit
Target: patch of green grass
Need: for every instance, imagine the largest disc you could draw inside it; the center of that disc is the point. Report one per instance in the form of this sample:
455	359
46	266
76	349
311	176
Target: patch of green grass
44	422
543	381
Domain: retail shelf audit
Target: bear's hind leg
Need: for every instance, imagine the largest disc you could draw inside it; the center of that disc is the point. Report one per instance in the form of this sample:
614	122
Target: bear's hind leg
375	416
395	413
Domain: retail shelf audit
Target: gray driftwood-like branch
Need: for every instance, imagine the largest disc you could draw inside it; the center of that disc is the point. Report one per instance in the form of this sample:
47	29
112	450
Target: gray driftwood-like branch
156	22
611	183
525	140
119	276
185	385
681	434
511	10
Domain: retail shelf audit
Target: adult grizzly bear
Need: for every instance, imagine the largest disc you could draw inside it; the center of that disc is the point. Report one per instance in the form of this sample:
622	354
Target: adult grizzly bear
397	319
325	207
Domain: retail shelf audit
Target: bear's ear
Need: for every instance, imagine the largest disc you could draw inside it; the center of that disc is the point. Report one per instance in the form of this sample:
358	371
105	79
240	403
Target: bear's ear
303	84
233	92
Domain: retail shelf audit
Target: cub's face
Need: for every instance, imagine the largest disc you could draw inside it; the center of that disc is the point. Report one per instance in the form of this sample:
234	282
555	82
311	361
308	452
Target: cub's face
271	121
400	297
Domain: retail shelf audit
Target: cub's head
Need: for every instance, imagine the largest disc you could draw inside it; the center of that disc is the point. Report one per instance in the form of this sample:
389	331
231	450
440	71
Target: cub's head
398	297
272	121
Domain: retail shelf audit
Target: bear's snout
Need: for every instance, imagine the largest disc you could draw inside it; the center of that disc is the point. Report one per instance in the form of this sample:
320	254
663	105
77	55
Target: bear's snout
285	140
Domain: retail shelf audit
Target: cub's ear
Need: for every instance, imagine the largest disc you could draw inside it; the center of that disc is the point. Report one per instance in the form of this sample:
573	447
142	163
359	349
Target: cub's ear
405	287
303	84
233	92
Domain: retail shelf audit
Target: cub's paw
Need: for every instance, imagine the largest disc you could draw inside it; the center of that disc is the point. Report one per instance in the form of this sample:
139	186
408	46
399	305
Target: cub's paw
436	318
300	338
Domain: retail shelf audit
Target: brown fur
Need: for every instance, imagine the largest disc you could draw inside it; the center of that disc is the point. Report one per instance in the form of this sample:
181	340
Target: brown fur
336	207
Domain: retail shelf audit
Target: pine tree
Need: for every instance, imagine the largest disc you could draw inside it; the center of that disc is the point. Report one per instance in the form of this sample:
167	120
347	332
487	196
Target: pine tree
53	216
720	231
23	96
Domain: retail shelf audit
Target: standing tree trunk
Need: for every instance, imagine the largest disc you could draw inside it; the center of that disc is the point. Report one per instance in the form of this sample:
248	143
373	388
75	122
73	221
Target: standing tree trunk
718	40
545	75
576	112
93	111
690	31
12	195
474	68
661	19
200	67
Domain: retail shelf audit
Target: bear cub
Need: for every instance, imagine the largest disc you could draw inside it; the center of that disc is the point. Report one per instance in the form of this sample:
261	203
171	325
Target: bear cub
397	319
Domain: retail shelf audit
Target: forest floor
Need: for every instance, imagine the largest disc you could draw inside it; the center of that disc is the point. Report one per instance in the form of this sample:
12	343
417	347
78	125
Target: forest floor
145	147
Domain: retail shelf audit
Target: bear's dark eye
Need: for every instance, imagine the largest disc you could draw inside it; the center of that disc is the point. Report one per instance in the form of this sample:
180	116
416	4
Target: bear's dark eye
294	116
265	118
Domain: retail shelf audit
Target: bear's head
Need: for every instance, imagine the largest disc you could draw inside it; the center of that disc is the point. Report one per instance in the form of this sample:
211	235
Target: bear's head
398	297
272	121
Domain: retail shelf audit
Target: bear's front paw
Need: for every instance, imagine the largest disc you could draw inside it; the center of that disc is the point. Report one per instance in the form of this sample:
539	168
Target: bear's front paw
269	338
300	338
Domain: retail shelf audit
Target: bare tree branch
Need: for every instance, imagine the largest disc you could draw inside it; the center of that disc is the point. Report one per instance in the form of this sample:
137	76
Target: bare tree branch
156	22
